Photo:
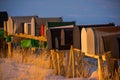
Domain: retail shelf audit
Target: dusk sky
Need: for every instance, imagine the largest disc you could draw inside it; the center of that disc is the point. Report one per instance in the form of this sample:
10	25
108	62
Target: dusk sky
81	11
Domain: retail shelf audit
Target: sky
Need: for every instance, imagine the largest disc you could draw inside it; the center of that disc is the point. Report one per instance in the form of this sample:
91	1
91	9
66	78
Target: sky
80	11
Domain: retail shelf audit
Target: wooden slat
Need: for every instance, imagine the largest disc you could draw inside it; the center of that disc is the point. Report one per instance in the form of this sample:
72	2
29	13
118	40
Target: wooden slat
40	38
96	56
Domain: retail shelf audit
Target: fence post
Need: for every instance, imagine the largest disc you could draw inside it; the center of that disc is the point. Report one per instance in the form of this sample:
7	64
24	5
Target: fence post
111	64
33	49
100	68
5	28
71	63
58	63
53	54
9	49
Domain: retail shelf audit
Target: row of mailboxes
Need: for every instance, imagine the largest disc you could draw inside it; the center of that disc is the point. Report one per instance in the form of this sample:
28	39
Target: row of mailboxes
77	33
92	40
26	28
63	38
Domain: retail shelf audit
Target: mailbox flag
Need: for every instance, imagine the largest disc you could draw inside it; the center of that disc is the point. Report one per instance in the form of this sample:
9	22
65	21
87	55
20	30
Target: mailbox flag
42	30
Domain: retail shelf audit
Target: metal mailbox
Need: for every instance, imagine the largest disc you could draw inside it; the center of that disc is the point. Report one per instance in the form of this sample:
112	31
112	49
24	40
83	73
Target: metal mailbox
60	39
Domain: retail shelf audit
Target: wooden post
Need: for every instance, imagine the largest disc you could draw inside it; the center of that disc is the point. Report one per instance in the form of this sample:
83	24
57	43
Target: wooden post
69	66
62	66
71	63
100	68
33	50
58	63
108	64
5	28
66	60
9	49
53	60
24	55
111	64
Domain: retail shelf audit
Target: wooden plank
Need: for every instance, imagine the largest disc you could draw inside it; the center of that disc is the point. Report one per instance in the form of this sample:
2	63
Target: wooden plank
5	28
96	56
58	64
53	54
100	68
71	64
9	50
40	38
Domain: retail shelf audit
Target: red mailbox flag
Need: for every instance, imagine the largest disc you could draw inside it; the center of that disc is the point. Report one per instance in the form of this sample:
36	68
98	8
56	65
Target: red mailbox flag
42	30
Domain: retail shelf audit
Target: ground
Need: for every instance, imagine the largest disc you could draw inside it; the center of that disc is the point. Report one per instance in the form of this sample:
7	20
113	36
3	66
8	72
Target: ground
11	69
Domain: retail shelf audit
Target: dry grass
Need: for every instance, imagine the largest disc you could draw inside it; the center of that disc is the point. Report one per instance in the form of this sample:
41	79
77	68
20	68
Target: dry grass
38	63
43	60
3	47
115	75
27	56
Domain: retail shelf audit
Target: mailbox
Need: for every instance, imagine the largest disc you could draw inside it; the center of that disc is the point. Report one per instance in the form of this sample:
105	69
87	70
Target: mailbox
1	33
114	46
98	39
8	38
60	38
29	43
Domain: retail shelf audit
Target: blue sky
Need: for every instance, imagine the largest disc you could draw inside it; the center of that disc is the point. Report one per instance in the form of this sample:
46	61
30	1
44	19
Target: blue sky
81	11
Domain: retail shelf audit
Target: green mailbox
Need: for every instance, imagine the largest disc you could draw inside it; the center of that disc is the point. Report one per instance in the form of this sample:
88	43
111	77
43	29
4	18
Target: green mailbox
35	43
45	44
8	38
29	43
1	33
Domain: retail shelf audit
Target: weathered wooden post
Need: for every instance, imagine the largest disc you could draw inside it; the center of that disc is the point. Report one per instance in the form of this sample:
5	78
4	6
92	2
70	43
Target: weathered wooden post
24	55
100	68
58	63
60	67
5	28
111	64
8	40
33	49
66	54
9	50
108	65
53	60
71	63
